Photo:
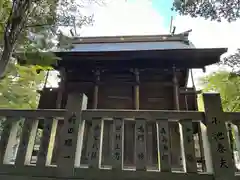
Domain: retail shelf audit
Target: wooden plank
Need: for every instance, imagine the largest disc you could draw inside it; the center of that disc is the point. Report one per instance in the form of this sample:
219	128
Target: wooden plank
69	139
26	144
236	134
200	141
43	151
164	146
176	162
140	144
129	143
188	149
149	144
150	115
206	148
84	153
13	142
107	143
94	143
52	142
118	138
217	133
7	125
79	149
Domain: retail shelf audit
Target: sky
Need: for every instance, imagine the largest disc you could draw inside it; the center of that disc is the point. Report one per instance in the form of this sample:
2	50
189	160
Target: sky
142	17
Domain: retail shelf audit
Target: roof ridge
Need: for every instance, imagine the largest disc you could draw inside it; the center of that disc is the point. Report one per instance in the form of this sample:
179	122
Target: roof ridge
137	38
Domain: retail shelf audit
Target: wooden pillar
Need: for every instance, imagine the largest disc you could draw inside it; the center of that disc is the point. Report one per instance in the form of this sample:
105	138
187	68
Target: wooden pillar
174	127
136	90
175	90
136	106
96	89
61	88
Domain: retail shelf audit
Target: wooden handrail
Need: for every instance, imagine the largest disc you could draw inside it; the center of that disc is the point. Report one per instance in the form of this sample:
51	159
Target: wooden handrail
150	115
36	113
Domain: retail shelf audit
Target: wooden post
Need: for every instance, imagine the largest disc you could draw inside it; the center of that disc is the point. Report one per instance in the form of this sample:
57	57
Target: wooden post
94	147
175	90
222	160
61	88
96	88
187	142
118	137
9	140
236	133
206	150
27	141
164	145
45	142
69	142
140	144
136	90
174	126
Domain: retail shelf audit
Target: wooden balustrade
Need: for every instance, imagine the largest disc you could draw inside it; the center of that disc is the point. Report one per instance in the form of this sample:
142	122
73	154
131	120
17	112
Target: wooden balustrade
81	149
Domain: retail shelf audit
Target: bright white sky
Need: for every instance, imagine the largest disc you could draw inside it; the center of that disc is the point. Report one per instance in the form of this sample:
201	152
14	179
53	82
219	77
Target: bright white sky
139	17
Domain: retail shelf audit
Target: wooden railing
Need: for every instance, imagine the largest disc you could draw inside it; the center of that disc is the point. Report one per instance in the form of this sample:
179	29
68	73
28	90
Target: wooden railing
84	152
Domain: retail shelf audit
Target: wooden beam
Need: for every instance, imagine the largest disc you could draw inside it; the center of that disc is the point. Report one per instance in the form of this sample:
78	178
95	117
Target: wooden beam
75	86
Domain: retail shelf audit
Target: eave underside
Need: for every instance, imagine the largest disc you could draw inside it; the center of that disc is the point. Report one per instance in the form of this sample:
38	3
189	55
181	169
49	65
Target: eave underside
182	58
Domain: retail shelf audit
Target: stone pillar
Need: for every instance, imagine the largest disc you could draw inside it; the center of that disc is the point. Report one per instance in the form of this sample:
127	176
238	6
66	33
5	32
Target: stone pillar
222	160
71	135
59	125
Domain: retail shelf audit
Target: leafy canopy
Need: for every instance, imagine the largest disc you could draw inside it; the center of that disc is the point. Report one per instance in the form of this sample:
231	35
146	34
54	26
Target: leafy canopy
32	27
210	9
228	85
19	89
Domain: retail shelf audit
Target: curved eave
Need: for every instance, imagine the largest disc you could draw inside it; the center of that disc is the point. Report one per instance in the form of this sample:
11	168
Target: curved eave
189	58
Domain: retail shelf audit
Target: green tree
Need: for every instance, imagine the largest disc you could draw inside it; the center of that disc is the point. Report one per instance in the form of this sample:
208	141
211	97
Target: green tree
24	24
210	9
40	32
19	90
228	85
232	61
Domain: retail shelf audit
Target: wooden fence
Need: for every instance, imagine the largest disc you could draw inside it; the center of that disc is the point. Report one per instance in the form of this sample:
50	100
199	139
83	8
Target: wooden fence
80	152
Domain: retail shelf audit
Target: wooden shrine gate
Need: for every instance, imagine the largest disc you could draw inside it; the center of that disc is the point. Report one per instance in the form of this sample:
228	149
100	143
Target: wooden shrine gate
80	151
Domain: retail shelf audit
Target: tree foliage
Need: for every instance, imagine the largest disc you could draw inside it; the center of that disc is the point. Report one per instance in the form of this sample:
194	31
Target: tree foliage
232	61
32	27
210	9
228	85
19	88
26	24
